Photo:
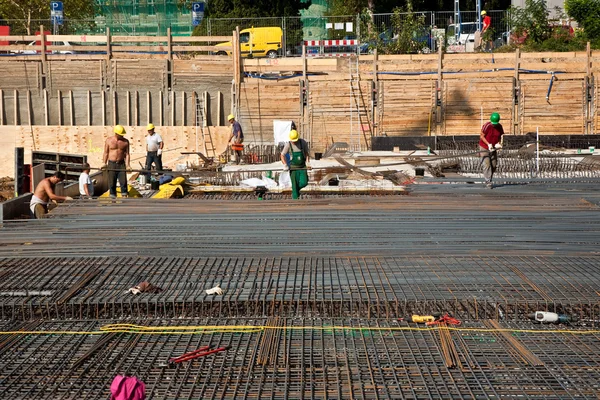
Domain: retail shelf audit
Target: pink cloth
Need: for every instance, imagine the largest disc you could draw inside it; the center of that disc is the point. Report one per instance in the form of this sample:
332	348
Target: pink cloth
127	388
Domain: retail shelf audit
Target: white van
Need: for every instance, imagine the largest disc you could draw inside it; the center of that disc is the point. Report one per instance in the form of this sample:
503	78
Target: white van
466	38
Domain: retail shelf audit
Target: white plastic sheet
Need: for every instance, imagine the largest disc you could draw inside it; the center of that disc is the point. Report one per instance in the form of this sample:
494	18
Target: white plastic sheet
281	131
284	180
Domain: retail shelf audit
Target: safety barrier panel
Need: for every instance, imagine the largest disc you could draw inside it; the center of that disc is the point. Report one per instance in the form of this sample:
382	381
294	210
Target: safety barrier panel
332	48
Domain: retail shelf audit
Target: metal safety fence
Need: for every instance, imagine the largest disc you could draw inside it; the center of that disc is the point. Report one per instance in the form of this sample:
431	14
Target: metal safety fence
368	31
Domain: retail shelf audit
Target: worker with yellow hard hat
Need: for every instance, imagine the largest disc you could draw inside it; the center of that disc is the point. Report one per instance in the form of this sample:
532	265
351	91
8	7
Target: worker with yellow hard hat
116	158
236	138
297	149
154	148
486	32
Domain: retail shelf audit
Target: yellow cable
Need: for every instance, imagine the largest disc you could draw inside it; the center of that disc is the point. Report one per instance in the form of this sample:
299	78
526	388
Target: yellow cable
191	330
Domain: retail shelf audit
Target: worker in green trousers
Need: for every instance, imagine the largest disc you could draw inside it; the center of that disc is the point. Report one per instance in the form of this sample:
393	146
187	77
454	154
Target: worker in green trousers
298	155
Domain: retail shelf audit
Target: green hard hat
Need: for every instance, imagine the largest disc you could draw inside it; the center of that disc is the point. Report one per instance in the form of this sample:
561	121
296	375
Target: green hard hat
495	118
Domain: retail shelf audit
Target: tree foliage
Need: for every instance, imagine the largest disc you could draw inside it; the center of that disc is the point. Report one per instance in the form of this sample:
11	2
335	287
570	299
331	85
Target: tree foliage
408	28
587	15
531	20
30	12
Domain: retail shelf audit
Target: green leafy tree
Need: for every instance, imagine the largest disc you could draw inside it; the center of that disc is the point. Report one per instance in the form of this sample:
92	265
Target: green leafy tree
531	21
408	28
587	15
29	12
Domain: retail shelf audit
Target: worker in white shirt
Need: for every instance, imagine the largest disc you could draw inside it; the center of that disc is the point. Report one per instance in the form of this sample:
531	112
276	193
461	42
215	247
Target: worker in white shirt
86	186
154	148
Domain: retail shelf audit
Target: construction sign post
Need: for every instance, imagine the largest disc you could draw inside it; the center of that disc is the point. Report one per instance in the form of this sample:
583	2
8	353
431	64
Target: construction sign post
197	13
56	12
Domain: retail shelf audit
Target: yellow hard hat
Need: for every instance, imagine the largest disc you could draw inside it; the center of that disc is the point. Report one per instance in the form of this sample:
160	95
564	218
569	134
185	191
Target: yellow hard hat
483	12
150	127
119	130
230	117
294	135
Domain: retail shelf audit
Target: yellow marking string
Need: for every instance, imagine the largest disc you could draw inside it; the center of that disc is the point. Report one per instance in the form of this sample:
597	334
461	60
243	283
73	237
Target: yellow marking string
203	329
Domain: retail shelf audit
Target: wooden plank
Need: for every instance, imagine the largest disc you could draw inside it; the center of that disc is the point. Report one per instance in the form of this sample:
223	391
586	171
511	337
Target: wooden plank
18	38
139	39
77	38
194	39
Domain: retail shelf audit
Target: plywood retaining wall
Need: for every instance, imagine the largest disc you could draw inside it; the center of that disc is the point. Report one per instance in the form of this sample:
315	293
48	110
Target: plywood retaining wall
331	100
90	140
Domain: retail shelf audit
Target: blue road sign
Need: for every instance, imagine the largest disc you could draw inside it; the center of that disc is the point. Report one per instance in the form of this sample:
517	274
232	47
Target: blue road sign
197	13
56	12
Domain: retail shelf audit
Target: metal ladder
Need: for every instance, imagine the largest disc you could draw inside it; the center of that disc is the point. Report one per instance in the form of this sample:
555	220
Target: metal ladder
357	109
209	147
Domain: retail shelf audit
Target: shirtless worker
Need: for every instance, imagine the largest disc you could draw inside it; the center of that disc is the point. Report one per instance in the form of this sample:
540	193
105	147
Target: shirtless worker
116	159
44	193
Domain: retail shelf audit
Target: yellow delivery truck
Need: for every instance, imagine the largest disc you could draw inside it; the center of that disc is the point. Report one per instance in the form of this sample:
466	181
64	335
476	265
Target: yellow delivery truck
258	42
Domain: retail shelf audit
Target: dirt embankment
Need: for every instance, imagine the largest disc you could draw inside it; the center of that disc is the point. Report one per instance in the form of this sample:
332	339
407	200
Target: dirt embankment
7	188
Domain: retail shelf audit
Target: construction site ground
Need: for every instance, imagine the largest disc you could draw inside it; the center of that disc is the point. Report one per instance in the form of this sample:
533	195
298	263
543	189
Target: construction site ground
314	291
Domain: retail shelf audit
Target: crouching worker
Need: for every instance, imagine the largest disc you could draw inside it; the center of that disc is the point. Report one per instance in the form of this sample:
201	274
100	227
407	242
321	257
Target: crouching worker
43	195
298	151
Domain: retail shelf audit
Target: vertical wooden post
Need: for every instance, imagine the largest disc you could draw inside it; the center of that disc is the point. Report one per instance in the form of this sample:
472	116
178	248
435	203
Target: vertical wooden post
43	50
172	109
59	102
108	46
128	108
239	69
206	110
169	45
439	92
16	107
114	107
304	62
183	108
1	107
103	96
46	111
219	108
375	93
89	108
161	106
29	111
148	108
71	110
136	110
589	93
588	64
516	94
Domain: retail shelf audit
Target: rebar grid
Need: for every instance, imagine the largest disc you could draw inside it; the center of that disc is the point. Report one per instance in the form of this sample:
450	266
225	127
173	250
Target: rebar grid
310	359
297	270
473	287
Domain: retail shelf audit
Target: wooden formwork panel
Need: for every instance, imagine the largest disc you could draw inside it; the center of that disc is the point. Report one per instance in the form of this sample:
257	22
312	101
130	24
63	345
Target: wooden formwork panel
469	103
188	71
136	74
90	140
20	75
76	75
262	101
337	113
406	107
561	114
